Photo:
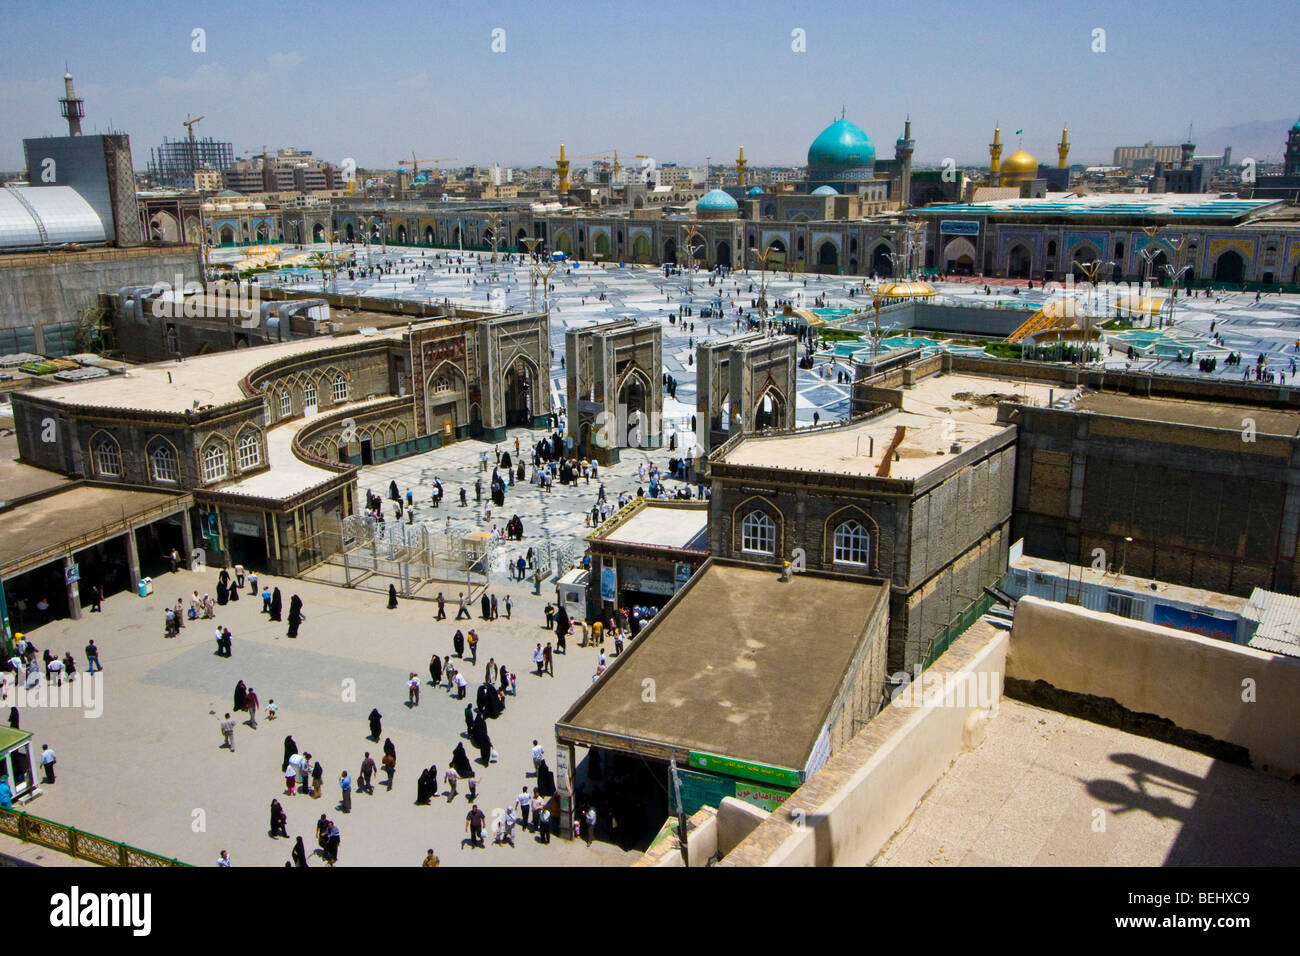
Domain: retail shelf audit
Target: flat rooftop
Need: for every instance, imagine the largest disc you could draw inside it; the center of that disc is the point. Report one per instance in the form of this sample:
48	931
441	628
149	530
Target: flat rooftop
936	412
71	516
663	525
1086	574
212	379
1169	206
1028	796
1181	412
18	480
741	667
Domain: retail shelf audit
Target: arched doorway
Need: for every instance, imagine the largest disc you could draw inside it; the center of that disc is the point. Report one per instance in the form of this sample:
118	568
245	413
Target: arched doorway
602	245
317	233
563	243
521	381
487	238
959	256
670	251
163	227
455	235
1230	267
1019	262
633	410
350	233
641	248
227	237
723	251
769	410
428	235
1081	256
401	234
880	261
828	257
445	401
520	236
263	232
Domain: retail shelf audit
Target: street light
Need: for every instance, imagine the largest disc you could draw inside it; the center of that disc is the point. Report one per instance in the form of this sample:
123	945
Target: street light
690	233
762	258
1089	270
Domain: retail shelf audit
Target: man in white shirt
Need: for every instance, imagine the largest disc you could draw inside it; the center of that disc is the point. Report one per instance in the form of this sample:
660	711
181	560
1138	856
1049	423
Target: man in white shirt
224	859
460	686
48	760
539	754
524	803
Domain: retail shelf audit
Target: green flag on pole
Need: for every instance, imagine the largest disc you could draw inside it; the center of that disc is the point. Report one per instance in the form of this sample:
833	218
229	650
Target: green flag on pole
1019	131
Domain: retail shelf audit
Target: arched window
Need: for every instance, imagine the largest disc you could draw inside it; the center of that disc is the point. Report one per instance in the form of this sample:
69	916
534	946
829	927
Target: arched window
340	388
248	453
106	457
442	384
758	533
309	395
162	463
852	544
286	403
214	462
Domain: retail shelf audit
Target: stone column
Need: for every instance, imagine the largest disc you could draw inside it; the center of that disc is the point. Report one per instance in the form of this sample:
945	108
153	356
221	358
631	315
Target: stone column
187	539
74	592
133	559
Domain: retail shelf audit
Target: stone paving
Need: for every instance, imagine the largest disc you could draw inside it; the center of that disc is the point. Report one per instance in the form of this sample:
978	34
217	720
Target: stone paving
151	770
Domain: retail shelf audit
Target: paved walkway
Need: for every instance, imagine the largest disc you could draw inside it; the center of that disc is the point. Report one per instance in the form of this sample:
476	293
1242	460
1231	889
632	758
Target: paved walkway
152	772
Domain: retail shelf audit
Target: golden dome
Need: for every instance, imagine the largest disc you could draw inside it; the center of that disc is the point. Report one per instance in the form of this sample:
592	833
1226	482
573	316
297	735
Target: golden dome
1019	167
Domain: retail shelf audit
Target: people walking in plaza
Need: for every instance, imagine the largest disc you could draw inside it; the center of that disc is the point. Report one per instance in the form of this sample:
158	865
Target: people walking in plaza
276	605
539	659
548	658
228	732
290	748
509	604
435	670
392	596
413	690
366	775
279	821
345	786
92	658
295	615
525	803
464	611
299	854
471	639
474	826
317	780
458	644
251	703
461	684
442	608
48	760
376	724
389	761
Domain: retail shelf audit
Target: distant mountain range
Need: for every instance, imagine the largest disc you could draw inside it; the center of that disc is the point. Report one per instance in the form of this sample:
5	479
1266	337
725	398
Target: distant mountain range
1261	140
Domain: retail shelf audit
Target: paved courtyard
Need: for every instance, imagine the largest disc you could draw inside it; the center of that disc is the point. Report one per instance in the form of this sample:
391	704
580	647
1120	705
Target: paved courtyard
151	770
1270	327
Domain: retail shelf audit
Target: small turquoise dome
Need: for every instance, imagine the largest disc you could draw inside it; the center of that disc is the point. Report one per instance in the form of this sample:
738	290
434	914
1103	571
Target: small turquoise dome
758	190
842	144
715	200
825	191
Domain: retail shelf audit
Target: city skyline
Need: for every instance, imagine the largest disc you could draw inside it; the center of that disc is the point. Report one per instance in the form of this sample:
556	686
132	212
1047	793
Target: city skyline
682	85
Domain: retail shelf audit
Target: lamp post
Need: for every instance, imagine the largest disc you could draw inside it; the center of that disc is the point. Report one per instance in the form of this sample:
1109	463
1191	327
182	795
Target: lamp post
495	219
1175	274
1089	270
762	287
531	245
367	223
690	233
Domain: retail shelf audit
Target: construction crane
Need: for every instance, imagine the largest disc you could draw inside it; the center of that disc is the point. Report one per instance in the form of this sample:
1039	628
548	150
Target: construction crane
415	163
189	127
604	155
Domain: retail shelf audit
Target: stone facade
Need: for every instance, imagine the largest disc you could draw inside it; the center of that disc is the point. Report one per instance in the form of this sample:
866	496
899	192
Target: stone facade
746	382
615	390
937	540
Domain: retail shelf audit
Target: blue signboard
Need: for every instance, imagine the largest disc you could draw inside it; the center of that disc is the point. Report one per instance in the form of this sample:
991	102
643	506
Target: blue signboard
608	584
1206	625
959	227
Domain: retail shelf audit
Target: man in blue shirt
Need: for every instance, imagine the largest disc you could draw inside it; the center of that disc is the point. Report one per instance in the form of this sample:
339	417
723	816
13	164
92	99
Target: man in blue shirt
345	784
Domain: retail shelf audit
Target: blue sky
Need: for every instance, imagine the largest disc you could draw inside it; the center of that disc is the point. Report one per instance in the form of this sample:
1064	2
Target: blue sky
677	81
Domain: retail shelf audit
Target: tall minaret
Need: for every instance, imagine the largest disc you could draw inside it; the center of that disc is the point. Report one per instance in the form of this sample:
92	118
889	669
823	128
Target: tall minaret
995	157
1063	149
562	170
741	168
1187	150
72	108
903	149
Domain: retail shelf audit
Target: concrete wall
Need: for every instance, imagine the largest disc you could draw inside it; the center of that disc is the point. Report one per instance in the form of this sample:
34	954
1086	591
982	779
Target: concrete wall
1235	694
967	320
41	291
851	808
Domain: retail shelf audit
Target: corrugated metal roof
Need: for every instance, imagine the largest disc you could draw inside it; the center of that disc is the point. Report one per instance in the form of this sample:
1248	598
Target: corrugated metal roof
1278	622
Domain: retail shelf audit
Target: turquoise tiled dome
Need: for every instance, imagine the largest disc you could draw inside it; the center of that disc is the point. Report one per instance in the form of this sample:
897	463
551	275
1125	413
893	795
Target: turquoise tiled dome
758	190
842	144
825	191
715	200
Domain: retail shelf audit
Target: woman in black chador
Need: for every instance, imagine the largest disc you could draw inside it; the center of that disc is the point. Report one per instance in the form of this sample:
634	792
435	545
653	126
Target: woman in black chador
422	788
458	642
392	596
295	615
277	605
376	724
234	593
290	748
485	605
460	762
392	491
222	593
241	700
478	736
299	854
435	670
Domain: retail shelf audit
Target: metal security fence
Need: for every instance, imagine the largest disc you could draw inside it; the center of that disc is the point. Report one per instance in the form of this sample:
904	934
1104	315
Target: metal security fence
78	843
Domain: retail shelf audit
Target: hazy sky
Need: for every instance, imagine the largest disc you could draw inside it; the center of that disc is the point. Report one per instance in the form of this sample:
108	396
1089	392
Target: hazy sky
677	81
